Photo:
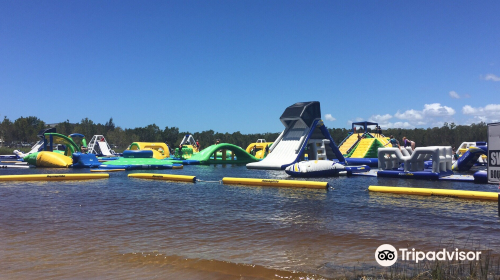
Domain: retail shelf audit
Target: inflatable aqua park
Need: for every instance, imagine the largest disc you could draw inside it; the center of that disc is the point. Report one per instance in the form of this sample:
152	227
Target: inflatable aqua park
100	147
470	154
223	153
360	146
38	146
48	159
397	163
159	150
189	142
145	156
427	163
258	149
306	149
323	168
304	134
186	152
187	148
67	154
55	150
140	160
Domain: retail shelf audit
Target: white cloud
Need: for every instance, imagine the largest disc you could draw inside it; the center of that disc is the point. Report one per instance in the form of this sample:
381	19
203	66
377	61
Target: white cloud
409	115
487	114
436	110
380	118
468	110
453	94
478	119
397	125
329	117
432	114
384	122
492	77
403	125
430	111
488	110
493	108
435	114
349	122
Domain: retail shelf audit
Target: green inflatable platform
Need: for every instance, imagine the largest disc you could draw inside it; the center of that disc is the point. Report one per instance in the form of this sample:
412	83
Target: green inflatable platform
206	156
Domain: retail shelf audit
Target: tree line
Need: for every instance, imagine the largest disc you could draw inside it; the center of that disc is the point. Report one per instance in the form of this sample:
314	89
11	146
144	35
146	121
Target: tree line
25	129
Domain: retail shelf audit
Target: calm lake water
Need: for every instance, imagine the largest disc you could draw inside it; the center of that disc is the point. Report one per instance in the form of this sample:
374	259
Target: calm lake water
124	228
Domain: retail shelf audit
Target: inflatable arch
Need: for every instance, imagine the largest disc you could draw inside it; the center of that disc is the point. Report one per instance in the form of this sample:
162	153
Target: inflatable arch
237	155
51	139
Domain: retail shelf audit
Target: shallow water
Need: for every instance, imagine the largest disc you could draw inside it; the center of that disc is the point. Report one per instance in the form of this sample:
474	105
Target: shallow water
124	228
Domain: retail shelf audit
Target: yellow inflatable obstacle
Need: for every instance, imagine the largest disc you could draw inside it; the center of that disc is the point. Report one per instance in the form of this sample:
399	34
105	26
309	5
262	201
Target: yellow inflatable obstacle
160	150
169	177
258	149
53	177
274	183
48	159
436	192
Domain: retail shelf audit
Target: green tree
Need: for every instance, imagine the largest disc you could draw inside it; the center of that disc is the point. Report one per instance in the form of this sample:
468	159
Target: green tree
86	127
170	135
26	129
65	128
110	125
7	130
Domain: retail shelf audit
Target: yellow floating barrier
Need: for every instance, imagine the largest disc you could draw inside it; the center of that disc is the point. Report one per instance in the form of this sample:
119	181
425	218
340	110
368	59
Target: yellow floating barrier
106	170
274	183
53	177
436	192
168	177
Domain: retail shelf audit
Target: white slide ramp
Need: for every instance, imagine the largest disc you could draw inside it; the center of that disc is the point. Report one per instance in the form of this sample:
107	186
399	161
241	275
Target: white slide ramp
287	149
104	149
36	147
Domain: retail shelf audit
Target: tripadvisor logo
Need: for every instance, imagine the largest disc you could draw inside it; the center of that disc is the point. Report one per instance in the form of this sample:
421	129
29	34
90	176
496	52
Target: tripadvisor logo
387	255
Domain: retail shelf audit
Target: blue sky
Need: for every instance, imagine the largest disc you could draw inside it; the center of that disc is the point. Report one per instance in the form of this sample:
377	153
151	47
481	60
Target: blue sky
236	65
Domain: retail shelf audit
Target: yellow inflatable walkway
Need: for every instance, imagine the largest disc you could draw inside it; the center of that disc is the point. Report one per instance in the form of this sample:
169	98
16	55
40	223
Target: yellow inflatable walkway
274	183
363	148
53	177
348	143
368	147
437	192
383	140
